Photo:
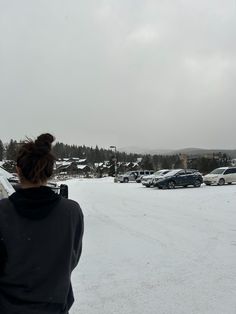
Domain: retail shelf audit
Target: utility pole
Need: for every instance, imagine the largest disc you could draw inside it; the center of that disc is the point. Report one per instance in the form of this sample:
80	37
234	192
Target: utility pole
114	147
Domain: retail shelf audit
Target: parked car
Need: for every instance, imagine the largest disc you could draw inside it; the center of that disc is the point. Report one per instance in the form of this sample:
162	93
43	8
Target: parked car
180	177
152	178
146	173
6	189
8	175
133	176
9	184
61	189
221	176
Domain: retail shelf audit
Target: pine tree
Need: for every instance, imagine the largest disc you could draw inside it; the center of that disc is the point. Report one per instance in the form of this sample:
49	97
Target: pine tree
97	155
11	150
1	150
166	162
147	162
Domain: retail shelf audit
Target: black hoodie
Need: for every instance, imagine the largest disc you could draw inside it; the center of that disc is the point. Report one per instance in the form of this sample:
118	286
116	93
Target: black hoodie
40	244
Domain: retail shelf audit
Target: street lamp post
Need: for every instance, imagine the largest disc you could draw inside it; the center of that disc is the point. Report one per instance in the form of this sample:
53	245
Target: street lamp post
115	179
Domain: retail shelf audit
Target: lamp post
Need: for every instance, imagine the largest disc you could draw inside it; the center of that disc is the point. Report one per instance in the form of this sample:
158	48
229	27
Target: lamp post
112	146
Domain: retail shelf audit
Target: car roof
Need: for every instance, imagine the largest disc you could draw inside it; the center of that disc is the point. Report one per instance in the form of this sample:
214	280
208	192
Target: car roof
174	170
191	169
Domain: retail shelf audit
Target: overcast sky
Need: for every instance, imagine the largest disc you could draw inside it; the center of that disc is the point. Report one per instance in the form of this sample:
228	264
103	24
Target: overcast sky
150	73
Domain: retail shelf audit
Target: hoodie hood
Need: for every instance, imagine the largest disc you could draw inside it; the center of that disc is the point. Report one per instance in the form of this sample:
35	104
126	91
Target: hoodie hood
34	203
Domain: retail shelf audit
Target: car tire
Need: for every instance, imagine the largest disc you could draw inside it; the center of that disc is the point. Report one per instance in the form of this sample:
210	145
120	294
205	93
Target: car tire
221	181
171	185
197	184
126	180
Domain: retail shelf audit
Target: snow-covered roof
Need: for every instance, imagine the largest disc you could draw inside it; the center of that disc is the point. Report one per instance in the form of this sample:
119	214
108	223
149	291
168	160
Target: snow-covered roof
72	159
82	160
81	167
63	163
98	164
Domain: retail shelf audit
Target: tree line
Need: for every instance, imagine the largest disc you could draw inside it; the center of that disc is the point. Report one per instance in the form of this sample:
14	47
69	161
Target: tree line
61	151
100	155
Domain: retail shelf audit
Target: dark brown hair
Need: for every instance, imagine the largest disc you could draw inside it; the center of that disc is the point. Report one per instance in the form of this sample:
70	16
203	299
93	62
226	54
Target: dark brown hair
35	159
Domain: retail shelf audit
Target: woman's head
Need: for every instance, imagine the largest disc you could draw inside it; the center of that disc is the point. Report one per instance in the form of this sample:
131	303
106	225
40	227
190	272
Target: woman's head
35	160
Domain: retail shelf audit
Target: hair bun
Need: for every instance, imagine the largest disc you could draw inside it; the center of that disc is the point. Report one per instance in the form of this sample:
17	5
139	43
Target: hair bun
44	141
35	159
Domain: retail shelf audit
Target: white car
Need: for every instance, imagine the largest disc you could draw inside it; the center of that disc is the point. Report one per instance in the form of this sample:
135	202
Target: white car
149	180
221	176
6	188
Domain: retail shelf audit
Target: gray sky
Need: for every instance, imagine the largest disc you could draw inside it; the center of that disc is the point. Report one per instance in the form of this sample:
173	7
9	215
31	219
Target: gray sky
153	73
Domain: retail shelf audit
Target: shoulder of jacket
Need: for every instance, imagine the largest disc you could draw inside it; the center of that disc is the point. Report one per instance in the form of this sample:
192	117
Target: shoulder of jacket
69	202
71	205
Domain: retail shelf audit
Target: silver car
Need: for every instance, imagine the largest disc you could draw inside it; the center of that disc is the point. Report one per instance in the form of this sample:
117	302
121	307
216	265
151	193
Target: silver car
133	176
148	181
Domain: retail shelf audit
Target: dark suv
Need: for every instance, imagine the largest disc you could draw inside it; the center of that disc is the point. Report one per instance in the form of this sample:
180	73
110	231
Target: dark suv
180	177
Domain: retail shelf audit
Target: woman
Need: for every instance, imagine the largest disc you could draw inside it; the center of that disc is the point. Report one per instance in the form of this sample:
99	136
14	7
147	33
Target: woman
40	238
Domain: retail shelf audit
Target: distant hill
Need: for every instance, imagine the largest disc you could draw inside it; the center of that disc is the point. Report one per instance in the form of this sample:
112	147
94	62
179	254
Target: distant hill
139	150
188	151
202	151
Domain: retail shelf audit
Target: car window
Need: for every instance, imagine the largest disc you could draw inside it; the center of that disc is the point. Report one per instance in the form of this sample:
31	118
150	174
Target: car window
181	173
159	172
218	171
165	172
189	171
172	172
230	171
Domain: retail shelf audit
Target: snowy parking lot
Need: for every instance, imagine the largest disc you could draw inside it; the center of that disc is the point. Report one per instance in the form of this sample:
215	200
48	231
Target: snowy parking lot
150	251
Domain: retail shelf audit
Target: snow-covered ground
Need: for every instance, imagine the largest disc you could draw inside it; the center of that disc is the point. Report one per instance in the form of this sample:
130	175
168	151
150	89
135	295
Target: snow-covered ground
149	251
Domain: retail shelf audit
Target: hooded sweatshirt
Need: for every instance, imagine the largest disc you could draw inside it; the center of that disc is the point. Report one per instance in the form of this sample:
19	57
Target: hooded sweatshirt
40	244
